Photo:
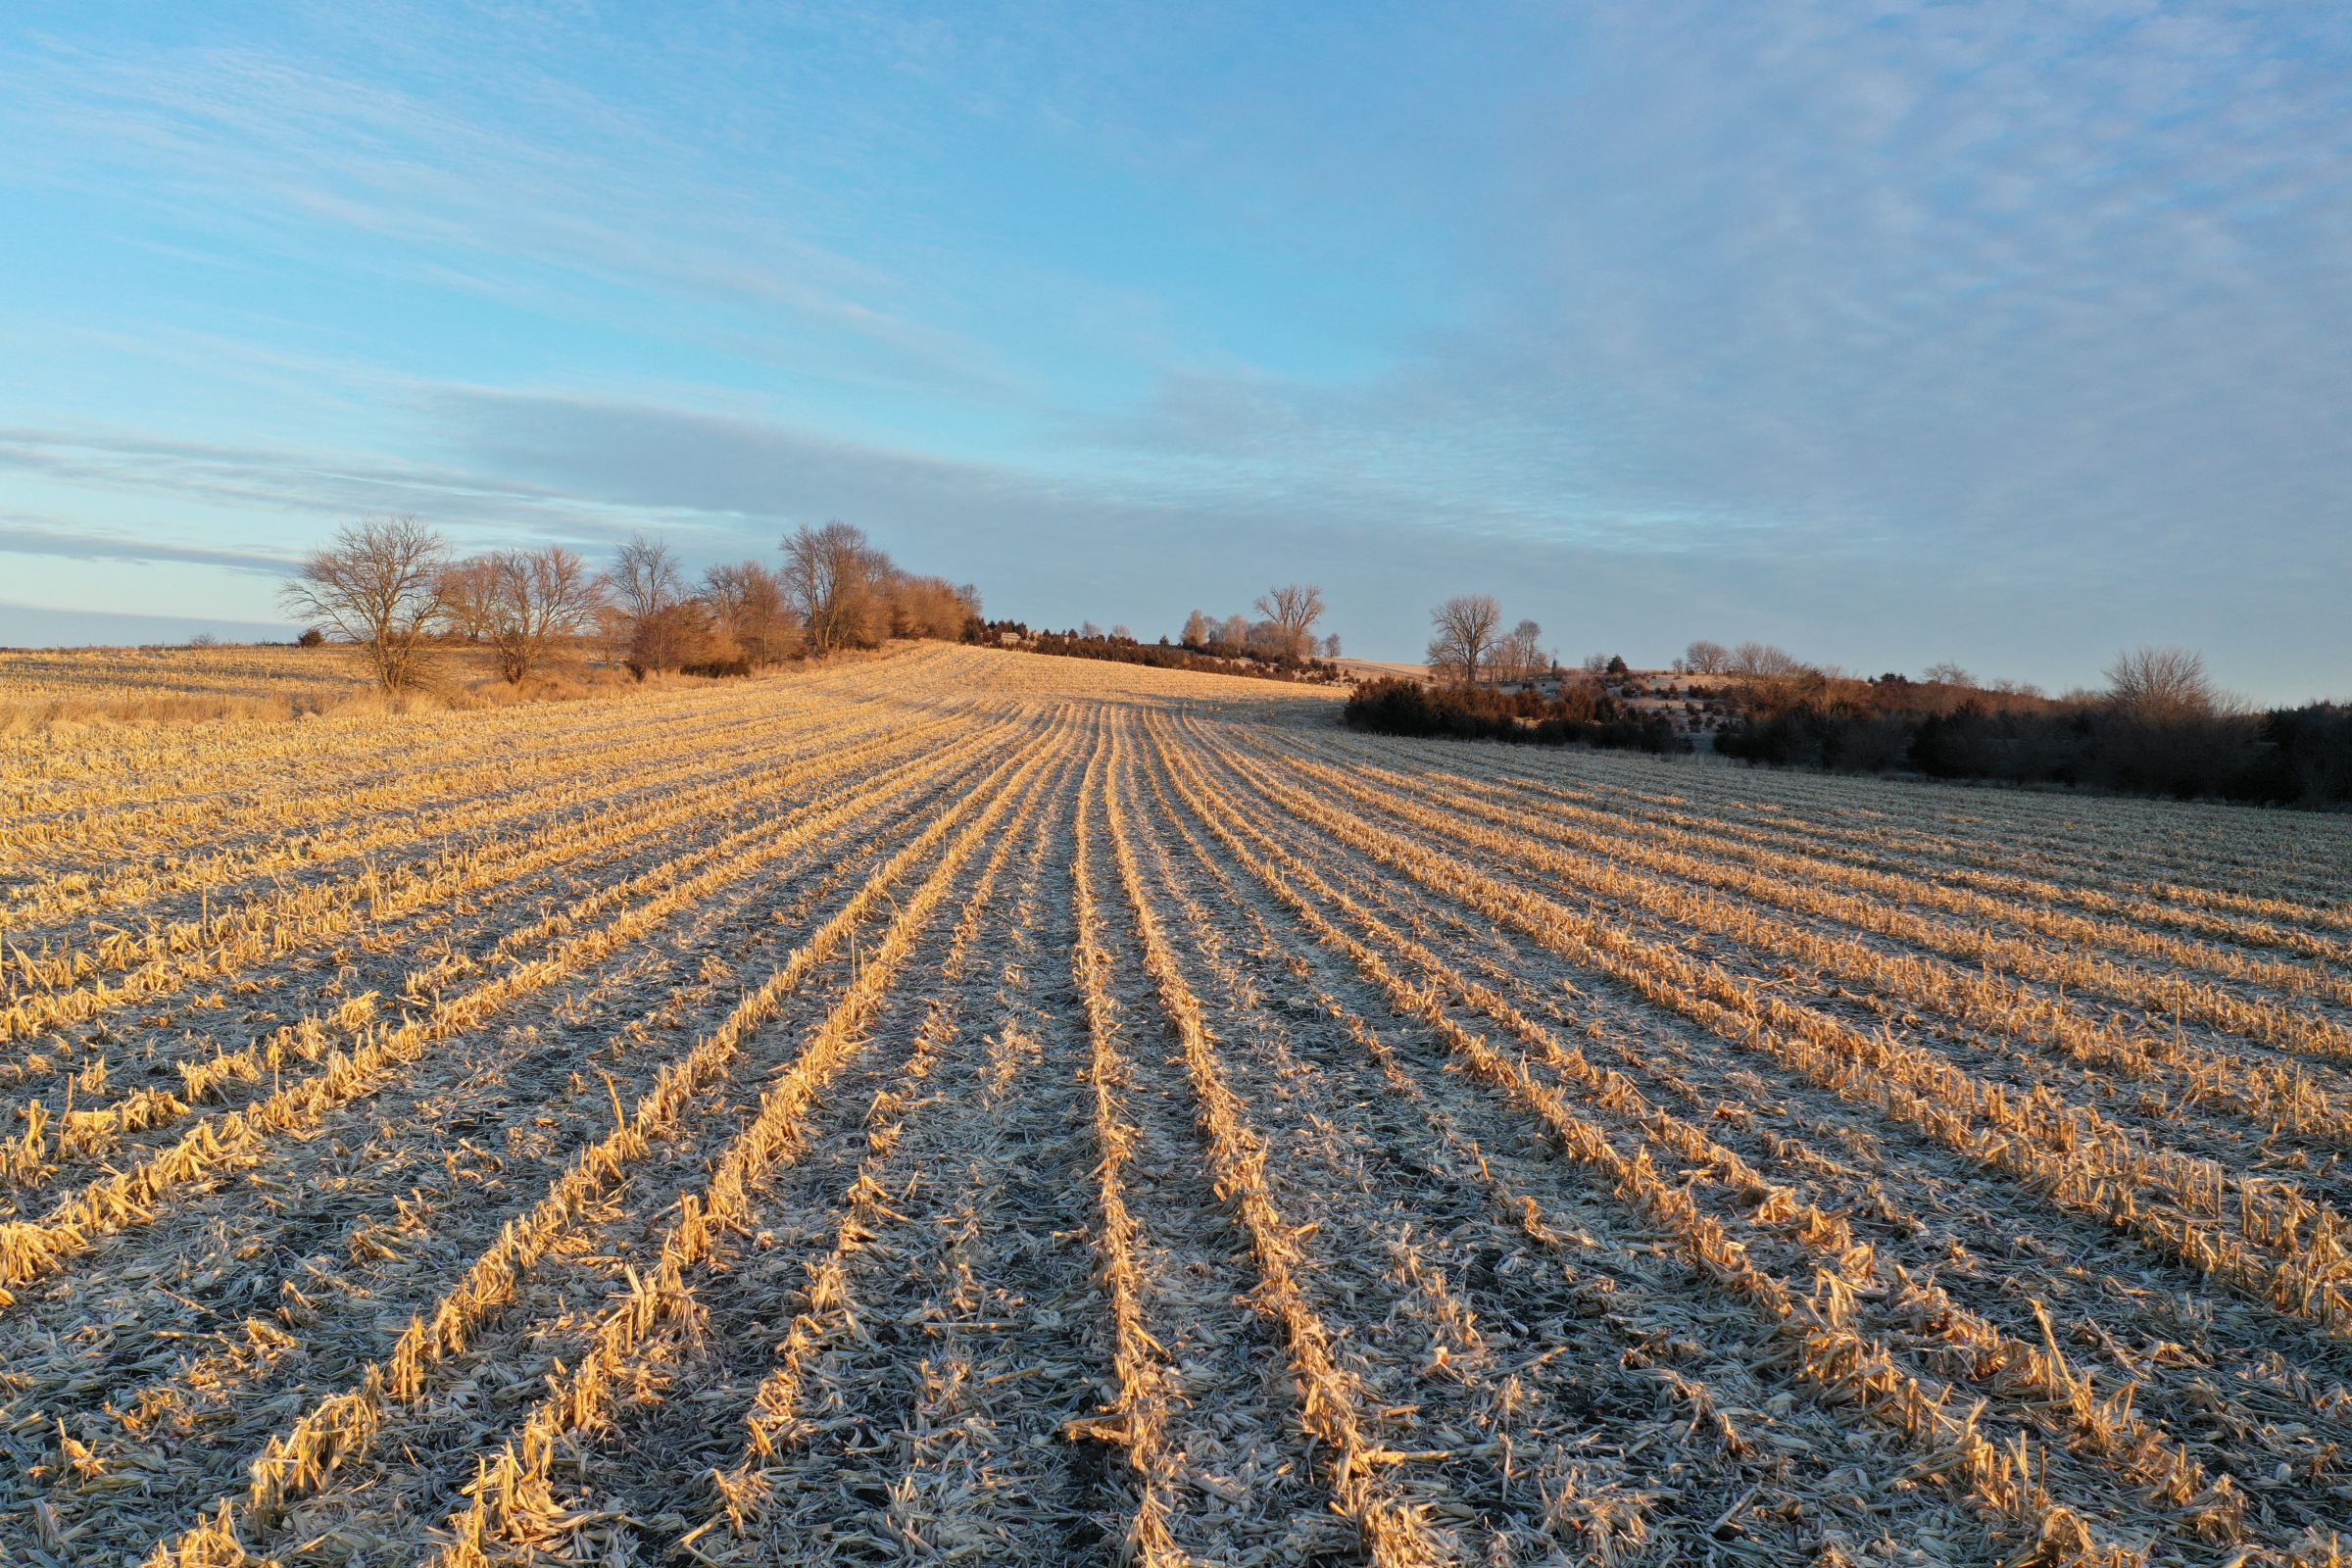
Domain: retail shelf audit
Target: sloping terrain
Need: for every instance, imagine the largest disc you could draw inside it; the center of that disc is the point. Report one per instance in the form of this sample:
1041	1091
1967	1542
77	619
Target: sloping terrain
985	1107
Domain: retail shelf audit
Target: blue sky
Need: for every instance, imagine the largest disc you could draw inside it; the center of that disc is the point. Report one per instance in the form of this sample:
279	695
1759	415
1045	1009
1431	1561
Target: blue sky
2004	332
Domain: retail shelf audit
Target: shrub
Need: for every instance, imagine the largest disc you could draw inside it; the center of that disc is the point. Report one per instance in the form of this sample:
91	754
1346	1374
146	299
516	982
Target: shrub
1580	714
2287	757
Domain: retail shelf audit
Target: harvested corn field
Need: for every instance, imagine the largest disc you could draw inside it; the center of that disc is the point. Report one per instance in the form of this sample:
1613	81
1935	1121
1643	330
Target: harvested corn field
985	1107
41	687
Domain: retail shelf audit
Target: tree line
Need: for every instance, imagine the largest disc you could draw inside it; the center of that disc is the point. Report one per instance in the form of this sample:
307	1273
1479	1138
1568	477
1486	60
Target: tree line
1484	686
1469	645
2160	726
1283	633
1580	711
1281	644
395	588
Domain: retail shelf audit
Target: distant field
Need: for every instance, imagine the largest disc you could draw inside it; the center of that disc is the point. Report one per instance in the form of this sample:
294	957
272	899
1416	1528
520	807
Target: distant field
979	1106
233	671
1370	668
42	685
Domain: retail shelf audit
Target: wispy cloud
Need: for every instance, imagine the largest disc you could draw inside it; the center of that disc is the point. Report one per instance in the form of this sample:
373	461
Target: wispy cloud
323	486
1146	545
1948	273
574	215
2007	331
24	536
2007	292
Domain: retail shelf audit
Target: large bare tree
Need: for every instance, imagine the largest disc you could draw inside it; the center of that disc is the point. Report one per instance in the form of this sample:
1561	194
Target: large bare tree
379	585
644	581
657	626
1519	653
1463	643
2160	685
1763	659
831	576
1704	658
1293	608
465	593
536	602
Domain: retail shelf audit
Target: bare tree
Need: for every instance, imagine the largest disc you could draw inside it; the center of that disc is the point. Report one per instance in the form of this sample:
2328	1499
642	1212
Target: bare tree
830	578
1704	658
646	594
1331	646
1293	608
466	590
930	606
646	578
1519	653
1763	659
380	586
1232	634
1463	643
748	613
536	603
1947	673
2160	685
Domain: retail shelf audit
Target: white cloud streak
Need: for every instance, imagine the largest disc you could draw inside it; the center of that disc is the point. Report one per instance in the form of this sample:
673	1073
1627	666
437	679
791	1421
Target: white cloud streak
1893	331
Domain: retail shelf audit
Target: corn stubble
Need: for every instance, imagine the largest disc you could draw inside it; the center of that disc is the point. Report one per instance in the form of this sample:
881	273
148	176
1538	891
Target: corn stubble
971	1107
